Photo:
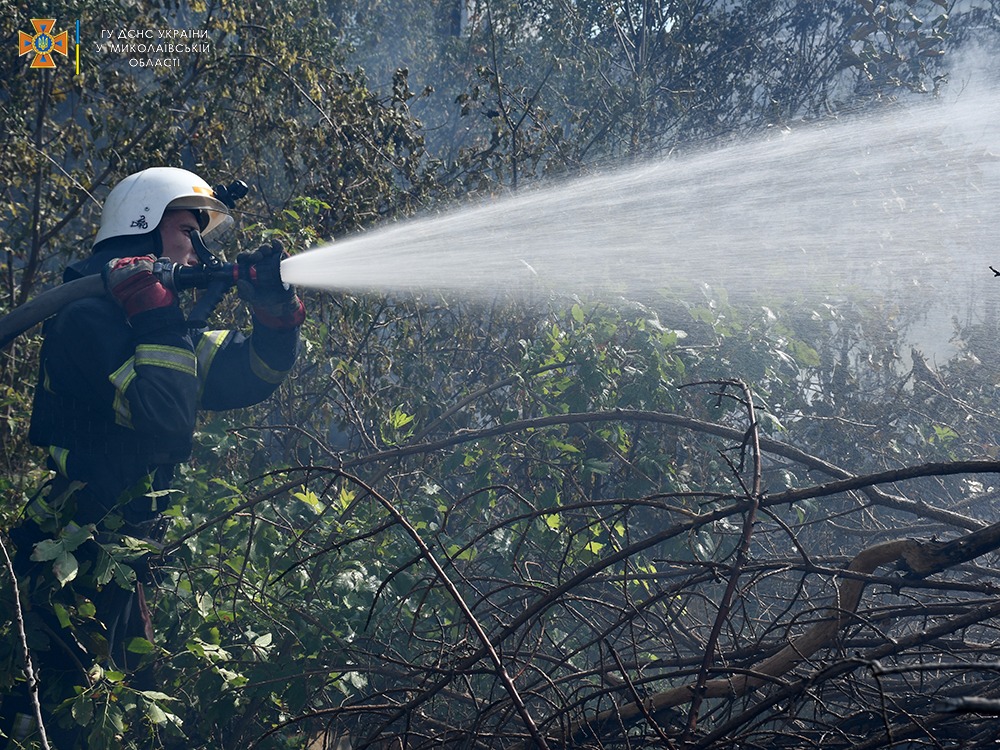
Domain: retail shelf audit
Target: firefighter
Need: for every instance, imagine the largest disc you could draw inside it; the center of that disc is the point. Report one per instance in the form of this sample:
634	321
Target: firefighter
120	381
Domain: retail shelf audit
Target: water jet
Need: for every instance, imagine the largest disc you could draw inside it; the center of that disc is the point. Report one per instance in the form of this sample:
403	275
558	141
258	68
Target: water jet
903	198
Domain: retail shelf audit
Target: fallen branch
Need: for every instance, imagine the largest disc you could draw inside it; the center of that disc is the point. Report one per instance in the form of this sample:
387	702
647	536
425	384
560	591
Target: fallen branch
919	558
726	731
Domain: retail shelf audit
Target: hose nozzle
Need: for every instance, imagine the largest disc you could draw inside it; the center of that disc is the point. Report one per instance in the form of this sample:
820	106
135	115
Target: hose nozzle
177	277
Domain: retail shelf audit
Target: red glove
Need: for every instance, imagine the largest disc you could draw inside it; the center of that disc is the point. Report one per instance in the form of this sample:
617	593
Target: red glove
132	283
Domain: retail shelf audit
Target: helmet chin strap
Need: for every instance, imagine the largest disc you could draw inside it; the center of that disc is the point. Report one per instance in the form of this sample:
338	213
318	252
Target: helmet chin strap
215	291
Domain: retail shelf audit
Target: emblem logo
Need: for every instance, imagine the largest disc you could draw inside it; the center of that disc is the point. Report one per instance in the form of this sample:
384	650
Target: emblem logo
44	43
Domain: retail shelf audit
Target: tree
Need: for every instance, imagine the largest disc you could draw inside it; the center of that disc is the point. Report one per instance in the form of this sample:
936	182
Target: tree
546	88
613	540
511	525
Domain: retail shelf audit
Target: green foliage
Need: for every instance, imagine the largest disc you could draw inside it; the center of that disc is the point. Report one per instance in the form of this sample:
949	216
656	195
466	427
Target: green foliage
532	88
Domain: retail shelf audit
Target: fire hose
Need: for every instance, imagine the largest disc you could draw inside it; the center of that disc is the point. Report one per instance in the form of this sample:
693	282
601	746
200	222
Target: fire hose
48	303
212	275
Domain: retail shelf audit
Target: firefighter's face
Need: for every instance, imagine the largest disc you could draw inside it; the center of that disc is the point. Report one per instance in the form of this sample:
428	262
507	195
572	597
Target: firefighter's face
175	234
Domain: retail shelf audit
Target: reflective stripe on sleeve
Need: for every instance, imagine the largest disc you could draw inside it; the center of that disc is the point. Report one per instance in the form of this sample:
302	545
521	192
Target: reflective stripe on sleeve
170	357
121	379
208	346
263	370
59	456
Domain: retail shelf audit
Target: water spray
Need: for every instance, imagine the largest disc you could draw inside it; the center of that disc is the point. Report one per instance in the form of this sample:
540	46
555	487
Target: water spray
901	198
904	199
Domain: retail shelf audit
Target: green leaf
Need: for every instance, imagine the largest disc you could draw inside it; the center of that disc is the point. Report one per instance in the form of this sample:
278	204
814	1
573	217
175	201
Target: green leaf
398	419
155	714
65	568
233	679
156	695
773	421
205	604
61	614
310	499
943	434
104	567
208	651
596	466
73	539
345	497
565	447
140	646
47	549
124	575
456	552
136	548
804	354
114	717
83	709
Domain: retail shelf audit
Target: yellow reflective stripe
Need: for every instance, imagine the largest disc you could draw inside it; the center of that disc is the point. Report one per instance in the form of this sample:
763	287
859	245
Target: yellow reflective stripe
208	346
123	411
40	510
121	379
263	370
170	357
60	456
124	375
147	355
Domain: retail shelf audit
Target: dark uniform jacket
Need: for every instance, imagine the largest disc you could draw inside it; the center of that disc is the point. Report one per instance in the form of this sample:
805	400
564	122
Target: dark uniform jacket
116	399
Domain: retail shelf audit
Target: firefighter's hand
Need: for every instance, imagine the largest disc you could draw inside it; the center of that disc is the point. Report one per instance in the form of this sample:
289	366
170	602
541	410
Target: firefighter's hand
274	303
134	286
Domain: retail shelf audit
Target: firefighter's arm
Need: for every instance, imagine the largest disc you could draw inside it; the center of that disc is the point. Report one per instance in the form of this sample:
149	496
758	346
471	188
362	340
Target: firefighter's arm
238	371
155	388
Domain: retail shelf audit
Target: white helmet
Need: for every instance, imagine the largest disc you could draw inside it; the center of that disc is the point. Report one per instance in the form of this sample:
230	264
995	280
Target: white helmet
137	203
